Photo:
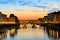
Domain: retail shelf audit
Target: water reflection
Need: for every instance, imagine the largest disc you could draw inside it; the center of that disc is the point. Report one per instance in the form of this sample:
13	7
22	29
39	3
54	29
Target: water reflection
29	26
37	33
55	34
3	35
31	34
13	32
22	26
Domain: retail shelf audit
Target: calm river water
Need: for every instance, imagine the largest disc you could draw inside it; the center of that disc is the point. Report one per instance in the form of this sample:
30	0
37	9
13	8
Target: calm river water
30	34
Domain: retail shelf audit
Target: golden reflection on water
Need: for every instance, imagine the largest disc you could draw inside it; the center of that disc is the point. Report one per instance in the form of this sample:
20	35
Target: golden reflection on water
53	33
31	32
2	35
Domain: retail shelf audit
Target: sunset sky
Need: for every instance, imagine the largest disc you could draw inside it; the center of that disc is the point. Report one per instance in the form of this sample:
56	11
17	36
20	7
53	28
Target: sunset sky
29	9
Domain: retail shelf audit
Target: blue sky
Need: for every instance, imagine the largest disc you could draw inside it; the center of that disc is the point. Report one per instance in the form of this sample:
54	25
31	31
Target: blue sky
51	5
29	9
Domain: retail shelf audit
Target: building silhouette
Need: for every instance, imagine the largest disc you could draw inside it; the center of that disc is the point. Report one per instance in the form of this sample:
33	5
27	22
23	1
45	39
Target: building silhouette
11	20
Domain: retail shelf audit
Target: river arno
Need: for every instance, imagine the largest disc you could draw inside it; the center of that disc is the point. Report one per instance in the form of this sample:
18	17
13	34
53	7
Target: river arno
30	34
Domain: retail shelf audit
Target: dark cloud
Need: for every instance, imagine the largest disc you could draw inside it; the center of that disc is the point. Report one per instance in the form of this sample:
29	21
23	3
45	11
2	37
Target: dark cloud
25	3
41	6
